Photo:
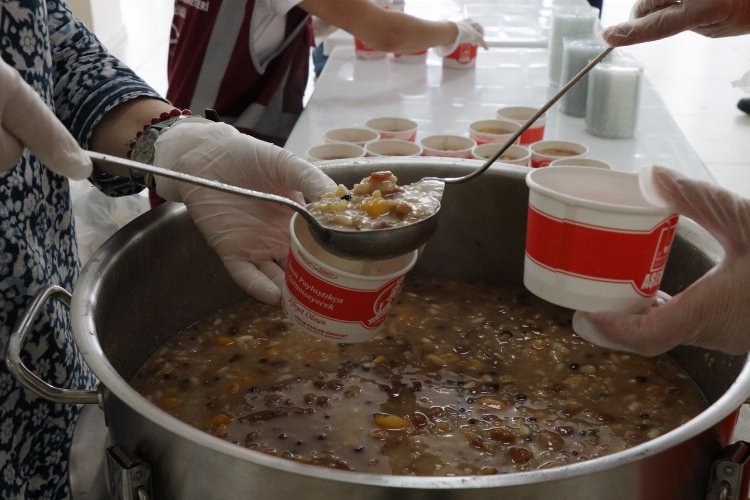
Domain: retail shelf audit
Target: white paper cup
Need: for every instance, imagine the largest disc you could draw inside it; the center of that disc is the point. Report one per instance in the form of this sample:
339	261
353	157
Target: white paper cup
593	243
446	145
365	52
335	151
353	135
338	299
515	154
392	127
581	162
464	57
392	147
545	152
484	131
520	115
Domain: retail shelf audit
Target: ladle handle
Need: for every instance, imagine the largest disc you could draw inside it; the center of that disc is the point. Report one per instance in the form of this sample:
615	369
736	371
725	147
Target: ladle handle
200	181
530	121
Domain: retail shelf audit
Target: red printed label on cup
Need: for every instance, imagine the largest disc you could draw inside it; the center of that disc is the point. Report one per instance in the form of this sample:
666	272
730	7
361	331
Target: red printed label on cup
398	135
532	135
368	307
599	253
537	162
464	53
360	45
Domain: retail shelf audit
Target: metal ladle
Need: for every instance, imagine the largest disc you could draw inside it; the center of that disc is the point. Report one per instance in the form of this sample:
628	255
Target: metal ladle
369	244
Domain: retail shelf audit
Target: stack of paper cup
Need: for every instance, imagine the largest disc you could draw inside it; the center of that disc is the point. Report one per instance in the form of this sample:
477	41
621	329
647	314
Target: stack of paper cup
571	21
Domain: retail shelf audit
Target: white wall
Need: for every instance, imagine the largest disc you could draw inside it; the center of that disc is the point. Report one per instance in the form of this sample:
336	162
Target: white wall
103	17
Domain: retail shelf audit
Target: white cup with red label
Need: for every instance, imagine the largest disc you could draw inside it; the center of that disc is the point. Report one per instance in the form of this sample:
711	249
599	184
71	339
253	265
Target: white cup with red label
338	299
581	162
447	145
464	57
353	135
515	154
484	131
593	242
393	147
545	152
335	151
520	115
365	52
393	127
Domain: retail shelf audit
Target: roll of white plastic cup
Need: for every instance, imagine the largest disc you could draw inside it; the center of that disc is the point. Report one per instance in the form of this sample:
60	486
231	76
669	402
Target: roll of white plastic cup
568	21
335	151
353	135
515	154
613	99
338	299
593	243
577	53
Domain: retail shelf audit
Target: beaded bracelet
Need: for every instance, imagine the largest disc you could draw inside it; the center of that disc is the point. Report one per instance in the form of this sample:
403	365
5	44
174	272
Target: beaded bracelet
141	147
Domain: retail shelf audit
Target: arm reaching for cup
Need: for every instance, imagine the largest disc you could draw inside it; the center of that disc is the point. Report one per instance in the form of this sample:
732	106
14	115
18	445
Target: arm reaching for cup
251	237
26	121
713	312
655	19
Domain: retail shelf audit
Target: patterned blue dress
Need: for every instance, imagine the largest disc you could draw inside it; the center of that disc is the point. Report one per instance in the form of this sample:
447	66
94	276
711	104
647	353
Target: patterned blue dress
75	75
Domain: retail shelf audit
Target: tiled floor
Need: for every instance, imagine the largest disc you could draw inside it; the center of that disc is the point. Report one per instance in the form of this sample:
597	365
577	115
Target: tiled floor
691	73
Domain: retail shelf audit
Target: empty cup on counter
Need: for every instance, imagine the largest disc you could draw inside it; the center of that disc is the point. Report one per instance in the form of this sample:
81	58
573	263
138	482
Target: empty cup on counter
545	152
484	131
446	145
338	299
392	127
353	135
392	147
464	57
581	162
522	114
593	242
335	151
515	154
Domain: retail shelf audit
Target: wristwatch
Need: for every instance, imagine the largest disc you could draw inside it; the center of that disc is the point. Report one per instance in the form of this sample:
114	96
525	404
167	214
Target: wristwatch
142	147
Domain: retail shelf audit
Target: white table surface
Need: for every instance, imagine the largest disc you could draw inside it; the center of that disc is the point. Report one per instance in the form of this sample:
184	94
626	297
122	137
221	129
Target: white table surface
351	91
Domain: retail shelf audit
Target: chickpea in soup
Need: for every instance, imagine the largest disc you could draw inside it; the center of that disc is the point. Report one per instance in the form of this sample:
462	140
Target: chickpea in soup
466	379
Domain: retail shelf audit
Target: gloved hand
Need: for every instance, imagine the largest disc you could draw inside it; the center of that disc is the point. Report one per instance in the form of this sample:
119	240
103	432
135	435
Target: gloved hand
250	236
712	312
469	31
26	121
655	19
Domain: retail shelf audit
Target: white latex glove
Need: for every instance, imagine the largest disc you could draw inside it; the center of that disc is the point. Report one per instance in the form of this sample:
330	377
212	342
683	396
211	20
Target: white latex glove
469	31
26	121
656	19
714	311
250	236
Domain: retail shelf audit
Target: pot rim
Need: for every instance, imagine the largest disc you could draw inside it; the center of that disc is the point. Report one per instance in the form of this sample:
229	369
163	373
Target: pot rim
84	330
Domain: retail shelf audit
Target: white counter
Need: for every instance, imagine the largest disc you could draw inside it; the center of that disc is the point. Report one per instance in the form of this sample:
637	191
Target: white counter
351	91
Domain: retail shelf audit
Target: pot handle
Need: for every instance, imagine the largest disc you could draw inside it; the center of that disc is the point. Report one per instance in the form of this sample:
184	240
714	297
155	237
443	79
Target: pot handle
22	373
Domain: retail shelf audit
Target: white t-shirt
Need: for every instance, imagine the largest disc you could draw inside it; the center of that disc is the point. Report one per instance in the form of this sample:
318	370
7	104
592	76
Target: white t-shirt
268	26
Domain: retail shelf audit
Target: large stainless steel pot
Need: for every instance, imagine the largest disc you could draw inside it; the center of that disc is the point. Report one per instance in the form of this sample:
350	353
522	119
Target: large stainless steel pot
156	276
